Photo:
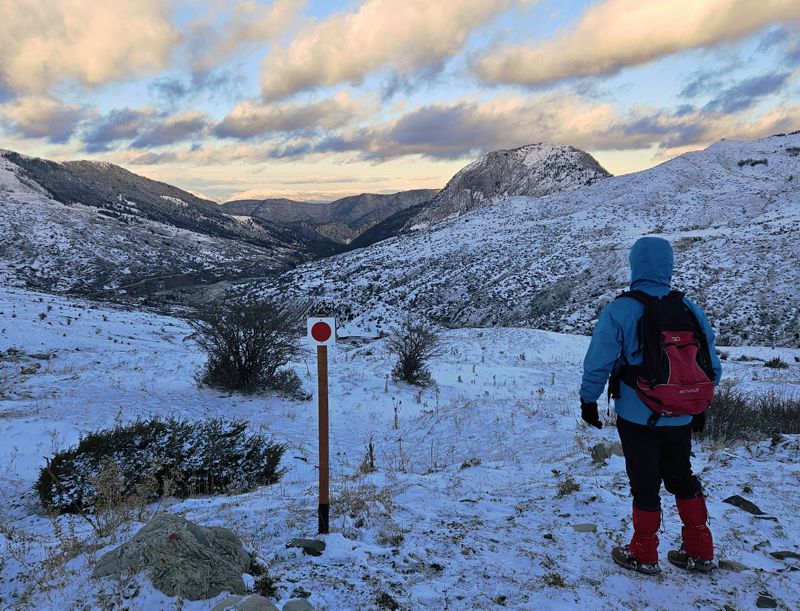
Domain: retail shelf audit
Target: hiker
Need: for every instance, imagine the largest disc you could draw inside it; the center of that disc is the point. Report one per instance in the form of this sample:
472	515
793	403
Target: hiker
655	441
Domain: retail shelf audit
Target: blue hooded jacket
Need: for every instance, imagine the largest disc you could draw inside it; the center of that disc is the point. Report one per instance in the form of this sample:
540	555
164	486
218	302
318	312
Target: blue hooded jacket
651	262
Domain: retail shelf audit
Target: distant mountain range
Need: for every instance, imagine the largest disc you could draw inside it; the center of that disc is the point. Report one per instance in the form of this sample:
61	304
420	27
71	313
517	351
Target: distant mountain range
341	221
732	213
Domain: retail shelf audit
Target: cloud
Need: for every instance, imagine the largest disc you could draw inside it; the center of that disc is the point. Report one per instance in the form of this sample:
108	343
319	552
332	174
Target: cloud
250	119
172	129
614	34
232	24
41	117
123	124
46	42
747	93
222	83
403	36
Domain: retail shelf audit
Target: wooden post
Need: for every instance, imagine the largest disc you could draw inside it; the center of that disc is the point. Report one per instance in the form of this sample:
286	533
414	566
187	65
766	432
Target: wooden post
324	480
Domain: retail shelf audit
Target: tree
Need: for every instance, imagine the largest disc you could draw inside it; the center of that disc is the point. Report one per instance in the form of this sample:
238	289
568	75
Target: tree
415	342
246	343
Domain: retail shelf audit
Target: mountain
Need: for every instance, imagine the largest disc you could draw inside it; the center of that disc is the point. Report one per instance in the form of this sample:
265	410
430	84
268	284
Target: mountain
87	227
732	213
534	170
342	220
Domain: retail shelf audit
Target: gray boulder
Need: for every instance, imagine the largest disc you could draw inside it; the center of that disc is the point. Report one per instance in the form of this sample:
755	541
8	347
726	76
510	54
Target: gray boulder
602	452
181	558
298	604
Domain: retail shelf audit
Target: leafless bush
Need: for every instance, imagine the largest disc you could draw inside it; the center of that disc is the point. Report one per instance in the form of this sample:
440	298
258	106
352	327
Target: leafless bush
736	415
246	343
414	342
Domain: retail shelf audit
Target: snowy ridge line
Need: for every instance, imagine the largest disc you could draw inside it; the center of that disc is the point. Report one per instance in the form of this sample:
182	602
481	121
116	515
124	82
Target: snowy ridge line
553	262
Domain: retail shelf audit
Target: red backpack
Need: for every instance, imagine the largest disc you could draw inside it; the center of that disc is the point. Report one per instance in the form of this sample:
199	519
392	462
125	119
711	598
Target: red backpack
676	377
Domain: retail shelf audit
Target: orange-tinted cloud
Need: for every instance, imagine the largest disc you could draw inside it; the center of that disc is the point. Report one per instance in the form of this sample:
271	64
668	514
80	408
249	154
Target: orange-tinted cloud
42	117
613	34
251	119
46	42
403	36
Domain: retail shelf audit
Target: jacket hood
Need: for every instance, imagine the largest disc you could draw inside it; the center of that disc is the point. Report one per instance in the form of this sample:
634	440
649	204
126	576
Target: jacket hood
651	262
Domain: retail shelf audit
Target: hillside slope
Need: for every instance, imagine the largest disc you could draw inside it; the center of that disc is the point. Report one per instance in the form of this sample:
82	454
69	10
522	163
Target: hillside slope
732	213
87	227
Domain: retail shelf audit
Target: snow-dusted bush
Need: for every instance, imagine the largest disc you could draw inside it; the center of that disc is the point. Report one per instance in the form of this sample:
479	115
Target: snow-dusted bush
414	342
246	343
736	415
155	457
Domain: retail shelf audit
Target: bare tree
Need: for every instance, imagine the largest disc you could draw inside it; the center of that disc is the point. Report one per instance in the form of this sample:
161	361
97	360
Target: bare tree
415	342
246	343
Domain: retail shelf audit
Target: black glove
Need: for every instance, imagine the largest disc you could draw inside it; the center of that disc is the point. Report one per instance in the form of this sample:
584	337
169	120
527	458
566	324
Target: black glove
590	415
699	422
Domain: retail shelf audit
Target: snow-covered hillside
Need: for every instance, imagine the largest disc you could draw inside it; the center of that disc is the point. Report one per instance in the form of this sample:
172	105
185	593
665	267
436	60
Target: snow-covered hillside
479	488
732	213
89	227
534	170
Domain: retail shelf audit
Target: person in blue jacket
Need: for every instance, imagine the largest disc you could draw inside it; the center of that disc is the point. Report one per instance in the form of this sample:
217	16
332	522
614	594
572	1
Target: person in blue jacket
652	453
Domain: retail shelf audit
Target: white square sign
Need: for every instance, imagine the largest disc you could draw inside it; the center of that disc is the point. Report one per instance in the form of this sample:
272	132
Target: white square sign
322	331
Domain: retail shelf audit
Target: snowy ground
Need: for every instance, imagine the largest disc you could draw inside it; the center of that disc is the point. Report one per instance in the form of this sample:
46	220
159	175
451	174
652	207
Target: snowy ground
473	503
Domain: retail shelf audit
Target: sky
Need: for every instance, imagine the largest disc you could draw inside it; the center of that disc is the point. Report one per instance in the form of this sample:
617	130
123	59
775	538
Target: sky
315	100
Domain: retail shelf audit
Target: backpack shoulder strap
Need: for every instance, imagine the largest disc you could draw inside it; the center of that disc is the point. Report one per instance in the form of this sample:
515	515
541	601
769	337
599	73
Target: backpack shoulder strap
639	296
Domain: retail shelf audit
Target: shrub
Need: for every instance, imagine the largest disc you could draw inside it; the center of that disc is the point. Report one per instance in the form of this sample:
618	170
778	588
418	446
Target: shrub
414	342
735	415
776	363
246	343
289	384
162	457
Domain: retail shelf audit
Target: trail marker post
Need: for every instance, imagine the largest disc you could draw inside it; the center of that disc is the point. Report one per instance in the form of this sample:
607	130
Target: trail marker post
322	333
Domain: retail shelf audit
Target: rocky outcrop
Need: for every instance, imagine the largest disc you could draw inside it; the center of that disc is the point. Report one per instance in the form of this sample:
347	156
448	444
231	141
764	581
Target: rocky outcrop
181	558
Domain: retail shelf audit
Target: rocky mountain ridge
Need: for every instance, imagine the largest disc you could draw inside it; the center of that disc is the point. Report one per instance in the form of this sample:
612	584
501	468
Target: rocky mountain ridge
534	170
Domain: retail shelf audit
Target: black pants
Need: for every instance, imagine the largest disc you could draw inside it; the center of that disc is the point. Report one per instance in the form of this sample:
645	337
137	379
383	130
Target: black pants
653	454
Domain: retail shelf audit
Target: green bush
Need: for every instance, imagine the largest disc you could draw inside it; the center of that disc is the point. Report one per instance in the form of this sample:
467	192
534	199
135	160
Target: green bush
169	456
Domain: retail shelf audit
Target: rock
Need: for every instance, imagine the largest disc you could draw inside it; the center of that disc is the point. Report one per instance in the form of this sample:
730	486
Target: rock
300	592
765	601
254	602
312	547
602	452
181	558
585	528
785	555
298	604
732	565
743	503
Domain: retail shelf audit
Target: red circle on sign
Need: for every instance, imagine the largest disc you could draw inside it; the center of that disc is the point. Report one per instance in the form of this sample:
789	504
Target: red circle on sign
321	331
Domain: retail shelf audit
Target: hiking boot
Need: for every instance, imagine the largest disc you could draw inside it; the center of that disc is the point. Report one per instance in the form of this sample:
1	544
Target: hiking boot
682	559
623	557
